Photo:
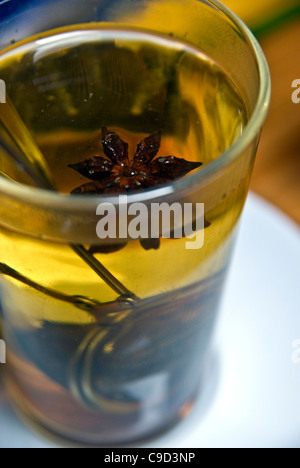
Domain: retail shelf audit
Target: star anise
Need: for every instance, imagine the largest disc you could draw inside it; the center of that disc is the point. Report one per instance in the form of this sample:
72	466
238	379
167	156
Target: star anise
117	174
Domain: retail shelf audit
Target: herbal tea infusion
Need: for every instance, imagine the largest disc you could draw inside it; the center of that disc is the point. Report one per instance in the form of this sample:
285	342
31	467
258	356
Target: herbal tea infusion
85	362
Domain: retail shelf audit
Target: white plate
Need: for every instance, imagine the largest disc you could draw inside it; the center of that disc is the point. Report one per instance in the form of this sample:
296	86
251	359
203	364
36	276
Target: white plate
252	393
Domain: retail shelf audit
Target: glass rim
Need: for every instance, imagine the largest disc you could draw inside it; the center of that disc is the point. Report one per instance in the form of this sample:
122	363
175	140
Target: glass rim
42	197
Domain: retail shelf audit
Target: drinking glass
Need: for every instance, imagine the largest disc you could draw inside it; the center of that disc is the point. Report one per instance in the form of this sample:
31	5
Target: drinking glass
107	338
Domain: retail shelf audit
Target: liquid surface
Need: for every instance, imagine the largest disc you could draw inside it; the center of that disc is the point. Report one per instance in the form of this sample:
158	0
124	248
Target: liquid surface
66	87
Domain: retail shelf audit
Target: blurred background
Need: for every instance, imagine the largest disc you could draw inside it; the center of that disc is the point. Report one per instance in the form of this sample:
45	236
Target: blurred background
277	171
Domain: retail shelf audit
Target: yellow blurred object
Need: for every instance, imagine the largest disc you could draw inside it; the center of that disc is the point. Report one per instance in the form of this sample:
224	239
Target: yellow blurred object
256	13
262	17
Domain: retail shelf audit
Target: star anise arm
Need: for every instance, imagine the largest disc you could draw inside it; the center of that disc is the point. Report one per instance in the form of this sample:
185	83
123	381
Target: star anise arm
148	149
96	168
114	147
150	244
170	167
98	187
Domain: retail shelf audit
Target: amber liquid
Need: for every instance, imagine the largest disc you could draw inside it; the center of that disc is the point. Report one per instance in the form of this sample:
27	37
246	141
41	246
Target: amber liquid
90	376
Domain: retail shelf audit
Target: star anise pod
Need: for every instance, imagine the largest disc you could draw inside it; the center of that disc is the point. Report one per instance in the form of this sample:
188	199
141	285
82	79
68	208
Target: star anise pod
117	174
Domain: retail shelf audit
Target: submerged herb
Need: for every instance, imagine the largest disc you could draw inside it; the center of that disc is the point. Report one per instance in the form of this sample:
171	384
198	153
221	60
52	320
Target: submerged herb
117	174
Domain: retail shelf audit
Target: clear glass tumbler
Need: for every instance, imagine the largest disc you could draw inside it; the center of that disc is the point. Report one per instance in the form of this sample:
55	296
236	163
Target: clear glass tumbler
107	336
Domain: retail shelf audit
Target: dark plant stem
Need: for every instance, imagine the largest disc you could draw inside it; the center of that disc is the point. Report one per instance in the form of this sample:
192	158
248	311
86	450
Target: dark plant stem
101	271
81	302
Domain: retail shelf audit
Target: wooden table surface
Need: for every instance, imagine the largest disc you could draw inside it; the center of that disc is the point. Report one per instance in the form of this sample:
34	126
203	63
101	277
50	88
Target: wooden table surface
277	171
